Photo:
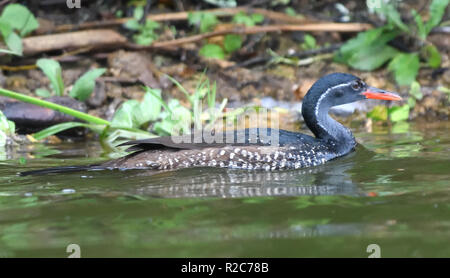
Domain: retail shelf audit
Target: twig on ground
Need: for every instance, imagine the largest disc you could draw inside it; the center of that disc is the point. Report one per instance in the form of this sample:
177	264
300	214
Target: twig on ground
109	38
178	16
312	52
303	54
324	27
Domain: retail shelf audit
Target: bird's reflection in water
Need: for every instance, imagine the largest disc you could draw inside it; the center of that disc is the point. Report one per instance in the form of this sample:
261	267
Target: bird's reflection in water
331	178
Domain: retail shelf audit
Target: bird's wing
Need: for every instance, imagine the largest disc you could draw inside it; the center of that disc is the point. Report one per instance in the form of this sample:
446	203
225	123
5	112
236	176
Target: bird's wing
252	136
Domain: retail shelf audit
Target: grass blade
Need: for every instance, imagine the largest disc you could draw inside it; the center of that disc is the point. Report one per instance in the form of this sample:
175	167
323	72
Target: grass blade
57	128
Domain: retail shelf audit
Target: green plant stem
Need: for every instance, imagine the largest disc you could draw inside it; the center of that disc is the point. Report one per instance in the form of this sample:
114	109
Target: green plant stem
54	106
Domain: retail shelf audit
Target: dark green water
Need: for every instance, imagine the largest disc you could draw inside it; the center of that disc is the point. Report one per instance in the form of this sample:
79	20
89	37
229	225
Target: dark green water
394	192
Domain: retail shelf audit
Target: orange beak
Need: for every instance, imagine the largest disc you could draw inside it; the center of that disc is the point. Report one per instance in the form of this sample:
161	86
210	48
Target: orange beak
376	93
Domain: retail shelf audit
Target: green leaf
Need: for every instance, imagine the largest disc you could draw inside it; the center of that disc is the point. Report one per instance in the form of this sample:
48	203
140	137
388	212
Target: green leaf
369	50
372	57
124	118
415	90
5	28
6	51
309	42
150	107
6	126
212	51
405	67
133	114
205	21
52	69
132	24
208	22
399	113
433	56
420	26
174	123
257	18
43	92
143	39
194	18
290	11
181	113
232	42
85	85
138	12
151	25
378	113
57	128
165	127
243	18
147	33
389	11
395	18
437	9
3	138
12	127
20	18
157	95
14	42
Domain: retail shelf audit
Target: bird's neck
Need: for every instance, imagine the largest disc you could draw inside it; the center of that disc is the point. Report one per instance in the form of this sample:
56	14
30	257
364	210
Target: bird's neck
326	128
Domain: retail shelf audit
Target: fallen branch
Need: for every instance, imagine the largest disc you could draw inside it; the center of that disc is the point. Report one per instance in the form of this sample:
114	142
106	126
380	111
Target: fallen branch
177	16
80	39
93	39
313	27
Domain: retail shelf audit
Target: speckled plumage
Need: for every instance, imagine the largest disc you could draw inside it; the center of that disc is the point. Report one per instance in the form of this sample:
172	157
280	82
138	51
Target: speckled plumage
249	157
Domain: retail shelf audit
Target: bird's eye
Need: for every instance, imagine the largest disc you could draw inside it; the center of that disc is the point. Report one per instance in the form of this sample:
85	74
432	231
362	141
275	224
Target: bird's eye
357	85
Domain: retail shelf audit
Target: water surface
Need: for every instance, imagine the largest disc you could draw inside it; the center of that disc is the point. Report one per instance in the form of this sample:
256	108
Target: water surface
393	191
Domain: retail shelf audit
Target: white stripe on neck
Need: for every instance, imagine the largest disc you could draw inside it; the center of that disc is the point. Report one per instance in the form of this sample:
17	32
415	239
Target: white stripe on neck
316	109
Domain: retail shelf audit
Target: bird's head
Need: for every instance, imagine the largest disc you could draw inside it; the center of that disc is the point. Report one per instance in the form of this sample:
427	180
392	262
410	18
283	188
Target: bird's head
336	89
341	88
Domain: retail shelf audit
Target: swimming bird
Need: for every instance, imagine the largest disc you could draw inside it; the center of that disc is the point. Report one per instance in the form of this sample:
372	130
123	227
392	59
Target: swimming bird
256	148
